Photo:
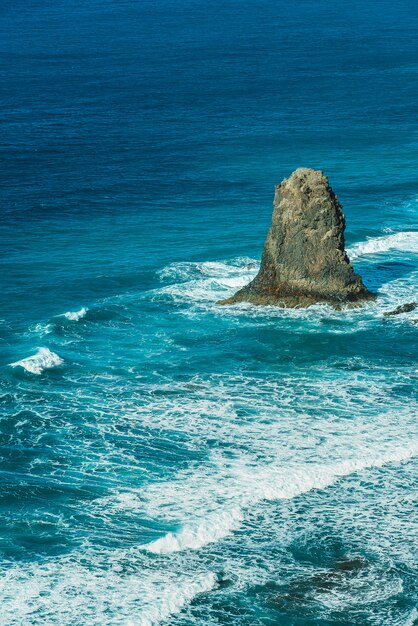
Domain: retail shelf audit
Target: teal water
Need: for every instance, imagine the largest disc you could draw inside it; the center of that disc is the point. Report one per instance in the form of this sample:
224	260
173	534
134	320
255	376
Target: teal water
164	460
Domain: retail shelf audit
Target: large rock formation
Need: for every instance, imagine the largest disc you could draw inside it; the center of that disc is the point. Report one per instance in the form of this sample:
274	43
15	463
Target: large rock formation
304	261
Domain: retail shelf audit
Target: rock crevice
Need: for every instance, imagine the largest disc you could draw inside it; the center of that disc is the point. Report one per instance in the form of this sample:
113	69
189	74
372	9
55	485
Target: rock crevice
304	260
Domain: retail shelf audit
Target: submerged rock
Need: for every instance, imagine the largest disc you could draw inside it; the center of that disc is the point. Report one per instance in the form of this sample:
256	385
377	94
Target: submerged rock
402	308
304	261
305	591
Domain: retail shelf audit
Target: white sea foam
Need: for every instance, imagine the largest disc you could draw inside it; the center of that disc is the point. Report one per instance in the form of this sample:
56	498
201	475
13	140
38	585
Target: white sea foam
212	528
42	329
271	443
146	591
44	359
74	316
398	292
243	487
208	281
404	242
83	587
217	269
172	599
412	618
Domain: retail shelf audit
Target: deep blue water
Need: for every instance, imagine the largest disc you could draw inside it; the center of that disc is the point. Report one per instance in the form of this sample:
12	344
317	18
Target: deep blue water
164	460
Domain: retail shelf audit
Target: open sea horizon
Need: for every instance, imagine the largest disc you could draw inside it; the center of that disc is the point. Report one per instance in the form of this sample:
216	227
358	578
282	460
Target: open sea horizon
164	460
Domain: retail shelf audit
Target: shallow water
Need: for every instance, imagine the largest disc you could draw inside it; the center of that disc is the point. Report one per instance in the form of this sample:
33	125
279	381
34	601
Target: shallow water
165	460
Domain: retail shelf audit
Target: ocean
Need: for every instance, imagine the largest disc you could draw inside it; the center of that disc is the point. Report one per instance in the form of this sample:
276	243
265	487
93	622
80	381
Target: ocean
165	460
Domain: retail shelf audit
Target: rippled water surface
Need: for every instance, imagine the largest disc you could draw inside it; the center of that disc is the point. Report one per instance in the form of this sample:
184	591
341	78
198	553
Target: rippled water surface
165	460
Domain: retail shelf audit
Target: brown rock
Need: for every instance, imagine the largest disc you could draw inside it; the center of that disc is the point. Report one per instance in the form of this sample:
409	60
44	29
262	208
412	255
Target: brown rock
304	261
402	308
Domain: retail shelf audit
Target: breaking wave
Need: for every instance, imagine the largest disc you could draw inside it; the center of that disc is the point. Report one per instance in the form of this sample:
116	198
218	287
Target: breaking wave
42	329
74	316
266	483
174	598
44	359
206	281
404	242
193	537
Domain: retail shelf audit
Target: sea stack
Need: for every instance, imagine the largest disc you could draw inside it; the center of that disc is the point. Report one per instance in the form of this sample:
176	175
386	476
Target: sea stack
304	261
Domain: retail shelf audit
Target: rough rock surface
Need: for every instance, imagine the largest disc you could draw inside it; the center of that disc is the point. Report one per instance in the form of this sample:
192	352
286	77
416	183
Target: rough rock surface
402	308
304	261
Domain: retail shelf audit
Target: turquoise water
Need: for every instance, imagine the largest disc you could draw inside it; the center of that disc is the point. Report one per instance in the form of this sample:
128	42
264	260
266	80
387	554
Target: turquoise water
165	460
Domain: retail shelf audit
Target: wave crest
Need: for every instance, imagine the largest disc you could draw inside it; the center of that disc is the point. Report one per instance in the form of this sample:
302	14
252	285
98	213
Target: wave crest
44	359
173	599
406	241
267	483
74	316
194	537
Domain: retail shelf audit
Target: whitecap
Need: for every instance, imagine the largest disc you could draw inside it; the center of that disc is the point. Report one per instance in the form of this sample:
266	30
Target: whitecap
44	359
42	329
195	536
207	281
406	241
216	269
173	599
245	486
74	316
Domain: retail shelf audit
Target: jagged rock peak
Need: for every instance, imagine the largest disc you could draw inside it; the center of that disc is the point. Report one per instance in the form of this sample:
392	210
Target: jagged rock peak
304	261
